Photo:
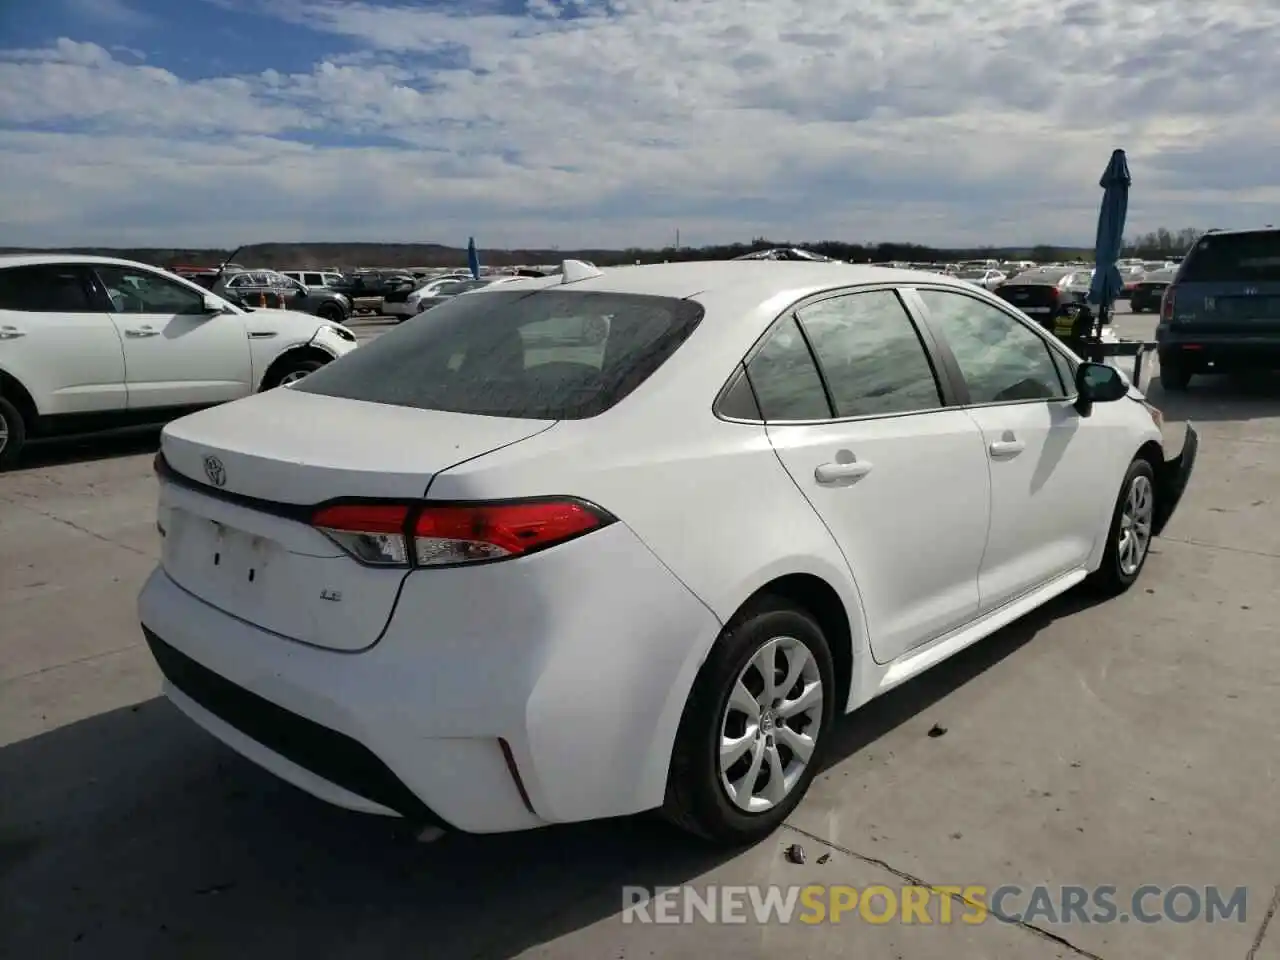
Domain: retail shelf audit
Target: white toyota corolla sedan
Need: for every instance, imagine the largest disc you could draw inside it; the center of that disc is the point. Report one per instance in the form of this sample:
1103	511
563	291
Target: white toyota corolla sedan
634	539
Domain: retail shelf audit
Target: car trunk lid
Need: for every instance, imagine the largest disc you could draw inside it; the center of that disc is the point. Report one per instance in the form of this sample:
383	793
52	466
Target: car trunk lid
239	484
1033	298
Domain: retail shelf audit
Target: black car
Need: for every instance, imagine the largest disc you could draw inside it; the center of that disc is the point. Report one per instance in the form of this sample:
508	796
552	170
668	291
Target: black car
374	284
1149	291
1222	311
269	288
1046	295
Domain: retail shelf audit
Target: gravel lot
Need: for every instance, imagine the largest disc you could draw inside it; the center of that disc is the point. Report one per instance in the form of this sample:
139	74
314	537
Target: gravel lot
1124	743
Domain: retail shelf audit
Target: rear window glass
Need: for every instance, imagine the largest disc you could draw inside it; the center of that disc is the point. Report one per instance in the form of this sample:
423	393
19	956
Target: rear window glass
1233	256
545	354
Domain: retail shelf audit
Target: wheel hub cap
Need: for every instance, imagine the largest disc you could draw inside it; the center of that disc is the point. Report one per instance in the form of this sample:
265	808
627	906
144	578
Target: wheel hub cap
770	725
1135	525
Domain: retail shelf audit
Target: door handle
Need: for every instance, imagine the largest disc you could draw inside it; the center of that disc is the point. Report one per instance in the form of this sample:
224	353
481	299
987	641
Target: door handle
140	332
838	472
11	333
1007	448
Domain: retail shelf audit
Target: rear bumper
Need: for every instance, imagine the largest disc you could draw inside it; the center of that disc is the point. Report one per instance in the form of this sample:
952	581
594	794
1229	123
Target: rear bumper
544	690
1172	479
1222	351
399	309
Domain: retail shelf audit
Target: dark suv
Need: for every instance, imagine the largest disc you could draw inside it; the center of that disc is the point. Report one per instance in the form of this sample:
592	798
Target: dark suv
1222	311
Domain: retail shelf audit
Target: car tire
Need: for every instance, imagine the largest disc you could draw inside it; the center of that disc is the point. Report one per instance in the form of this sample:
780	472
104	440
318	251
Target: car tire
331	312
1130	533
1175	376
698	799
292	371
13	434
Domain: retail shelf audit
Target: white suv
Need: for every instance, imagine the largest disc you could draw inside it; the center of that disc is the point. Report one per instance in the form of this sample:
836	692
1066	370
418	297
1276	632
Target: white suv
313	278
91	342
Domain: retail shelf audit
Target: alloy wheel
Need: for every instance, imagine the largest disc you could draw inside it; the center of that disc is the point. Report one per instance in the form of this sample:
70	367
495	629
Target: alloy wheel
293	376
1135	525
4	432
770	725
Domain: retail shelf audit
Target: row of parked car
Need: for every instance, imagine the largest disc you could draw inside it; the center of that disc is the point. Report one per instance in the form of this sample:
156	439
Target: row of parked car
334	295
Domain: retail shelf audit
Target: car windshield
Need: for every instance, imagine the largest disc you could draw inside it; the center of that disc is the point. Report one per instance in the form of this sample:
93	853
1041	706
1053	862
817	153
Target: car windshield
545	354
972	274
1233	256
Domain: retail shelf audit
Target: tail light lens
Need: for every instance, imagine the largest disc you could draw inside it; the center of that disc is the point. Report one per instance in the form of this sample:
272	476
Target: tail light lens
1055	294
446	535
1166	305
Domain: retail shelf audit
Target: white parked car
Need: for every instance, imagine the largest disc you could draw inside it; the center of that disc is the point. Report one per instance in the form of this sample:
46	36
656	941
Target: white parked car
591	545
405	304
91	342
983	277
314	278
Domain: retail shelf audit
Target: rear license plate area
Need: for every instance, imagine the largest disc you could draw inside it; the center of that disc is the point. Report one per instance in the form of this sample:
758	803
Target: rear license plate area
1036	309
216	560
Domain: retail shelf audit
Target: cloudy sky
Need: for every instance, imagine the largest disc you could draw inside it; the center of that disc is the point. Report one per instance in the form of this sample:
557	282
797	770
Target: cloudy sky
619	122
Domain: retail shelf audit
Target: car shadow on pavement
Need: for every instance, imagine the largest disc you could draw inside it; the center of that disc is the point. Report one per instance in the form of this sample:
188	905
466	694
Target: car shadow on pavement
133	833
1243	397
883	714
125	442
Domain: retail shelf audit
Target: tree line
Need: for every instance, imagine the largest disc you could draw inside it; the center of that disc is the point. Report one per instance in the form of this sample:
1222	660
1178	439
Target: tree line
1154	245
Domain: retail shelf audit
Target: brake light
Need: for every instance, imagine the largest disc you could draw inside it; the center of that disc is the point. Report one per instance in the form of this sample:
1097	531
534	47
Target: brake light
1055	294
440	535
1166	305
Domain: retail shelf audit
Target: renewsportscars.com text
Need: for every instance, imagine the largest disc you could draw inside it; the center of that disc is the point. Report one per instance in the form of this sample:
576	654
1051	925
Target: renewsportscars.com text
942	905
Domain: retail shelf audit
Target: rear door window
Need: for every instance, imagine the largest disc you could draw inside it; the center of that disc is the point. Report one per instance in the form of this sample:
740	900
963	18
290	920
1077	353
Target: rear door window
786	379
873	359
1233	256
546	354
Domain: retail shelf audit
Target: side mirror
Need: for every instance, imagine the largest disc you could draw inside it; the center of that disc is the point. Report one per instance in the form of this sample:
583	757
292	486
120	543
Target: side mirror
212	304
1098	383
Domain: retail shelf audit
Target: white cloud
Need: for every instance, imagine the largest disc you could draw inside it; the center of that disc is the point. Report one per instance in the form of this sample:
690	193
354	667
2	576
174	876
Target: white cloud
618	121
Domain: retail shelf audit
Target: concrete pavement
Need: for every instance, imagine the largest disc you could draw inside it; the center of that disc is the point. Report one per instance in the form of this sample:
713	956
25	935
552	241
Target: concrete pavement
1125	743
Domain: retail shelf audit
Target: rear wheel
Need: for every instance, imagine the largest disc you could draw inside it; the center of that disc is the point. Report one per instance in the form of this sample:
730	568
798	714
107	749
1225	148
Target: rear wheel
1174	372
754	730
331	312
13	434
1129	537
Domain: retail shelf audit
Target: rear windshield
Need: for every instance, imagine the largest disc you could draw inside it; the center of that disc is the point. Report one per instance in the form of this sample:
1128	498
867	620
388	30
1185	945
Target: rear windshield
544	354
1233	256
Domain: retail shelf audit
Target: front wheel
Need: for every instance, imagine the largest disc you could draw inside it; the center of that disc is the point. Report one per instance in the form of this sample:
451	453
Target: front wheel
754	729
1129	536
13	434
292	372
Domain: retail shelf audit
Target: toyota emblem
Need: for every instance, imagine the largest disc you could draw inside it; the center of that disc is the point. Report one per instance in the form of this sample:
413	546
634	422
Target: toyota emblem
215	471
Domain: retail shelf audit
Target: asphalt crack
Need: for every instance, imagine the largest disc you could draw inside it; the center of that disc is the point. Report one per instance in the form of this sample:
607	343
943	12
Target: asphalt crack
915	881
1266	922
73	525
1220	546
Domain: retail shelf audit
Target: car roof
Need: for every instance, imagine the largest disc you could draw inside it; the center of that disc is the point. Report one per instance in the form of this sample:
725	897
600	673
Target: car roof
47	259
734	285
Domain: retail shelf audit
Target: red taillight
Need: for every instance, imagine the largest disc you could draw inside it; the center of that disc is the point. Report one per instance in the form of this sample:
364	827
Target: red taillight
436	535
1166	305
1055	294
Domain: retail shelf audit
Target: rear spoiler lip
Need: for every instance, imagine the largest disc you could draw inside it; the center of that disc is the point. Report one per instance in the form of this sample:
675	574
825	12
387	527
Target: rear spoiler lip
303	512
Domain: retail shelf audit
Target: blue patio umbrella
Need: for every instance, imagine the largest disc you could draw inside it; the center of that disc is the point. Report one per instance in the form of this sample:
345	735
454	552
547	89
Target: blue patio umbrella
1107	282
473	258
